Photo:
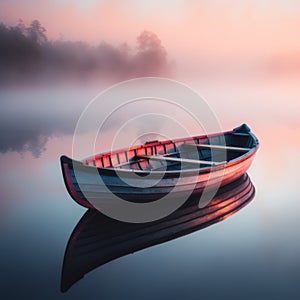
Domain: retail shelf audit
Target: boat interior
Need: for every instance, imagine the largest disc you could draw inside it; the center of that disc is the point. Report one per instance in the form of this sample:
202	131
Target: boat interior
187	153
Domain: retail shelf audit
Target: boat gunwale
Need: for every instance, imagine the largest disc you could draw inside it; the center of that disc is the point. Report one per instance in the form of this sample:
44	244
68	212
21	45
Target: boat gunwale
170	173
154	143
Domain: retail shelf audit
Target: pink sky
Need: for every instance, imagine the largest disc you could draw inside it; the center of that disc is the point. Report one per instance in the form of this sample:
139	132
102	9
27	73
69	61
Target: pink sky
228	34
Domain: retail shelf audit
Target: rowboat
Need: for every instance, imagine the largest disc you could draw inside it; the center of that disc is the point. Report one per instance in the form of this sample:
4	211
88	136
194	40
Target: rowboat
98	239
156	168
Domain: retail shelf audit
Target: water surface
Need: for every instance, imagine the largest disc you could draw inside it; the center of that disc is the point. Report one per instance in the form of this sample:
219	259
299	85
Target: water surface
254	254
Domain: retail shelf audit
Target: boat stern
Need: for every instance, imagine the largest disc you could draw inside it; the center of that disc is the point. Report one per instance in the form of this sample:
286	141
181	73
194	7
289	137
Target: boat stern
70	181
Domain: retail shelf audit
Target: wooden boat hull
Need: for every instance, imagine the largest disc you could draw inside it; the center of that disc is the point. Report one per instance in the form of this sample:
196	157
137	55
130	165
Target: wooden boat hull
98	239
85	187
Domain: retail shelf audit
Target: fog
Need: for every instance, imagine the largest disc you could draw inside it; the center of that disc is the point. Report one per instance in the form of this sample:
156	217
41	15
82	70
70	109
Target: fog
46	84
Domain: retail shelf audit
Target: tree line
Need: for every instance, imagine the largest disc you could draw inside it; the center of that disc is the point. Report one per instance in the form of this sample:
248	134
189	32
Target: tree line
26	53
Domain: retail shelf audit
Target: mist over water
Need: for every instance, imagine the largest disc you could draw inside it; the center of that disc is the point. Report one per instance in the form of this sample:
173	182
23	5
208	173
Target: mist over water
32	115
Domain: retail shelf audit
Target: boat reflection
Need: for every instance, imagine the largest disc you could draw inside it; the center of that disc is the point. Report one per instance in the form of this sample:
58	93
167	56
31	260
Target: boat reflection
98	239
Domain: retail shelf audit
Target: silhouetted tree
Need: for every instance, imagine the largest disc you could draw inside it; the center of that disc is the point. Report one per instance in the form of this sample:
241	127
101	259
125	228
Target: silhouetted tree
151	56
36	32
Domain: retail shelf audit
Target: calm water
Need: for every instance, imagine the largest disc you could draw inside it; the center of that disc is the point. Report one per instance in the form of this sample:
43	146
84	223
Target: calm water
254	254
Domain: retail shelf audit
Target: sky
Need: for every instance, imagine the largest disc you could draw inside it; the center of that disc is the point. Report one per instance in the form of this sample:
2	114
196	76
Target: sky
237	35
